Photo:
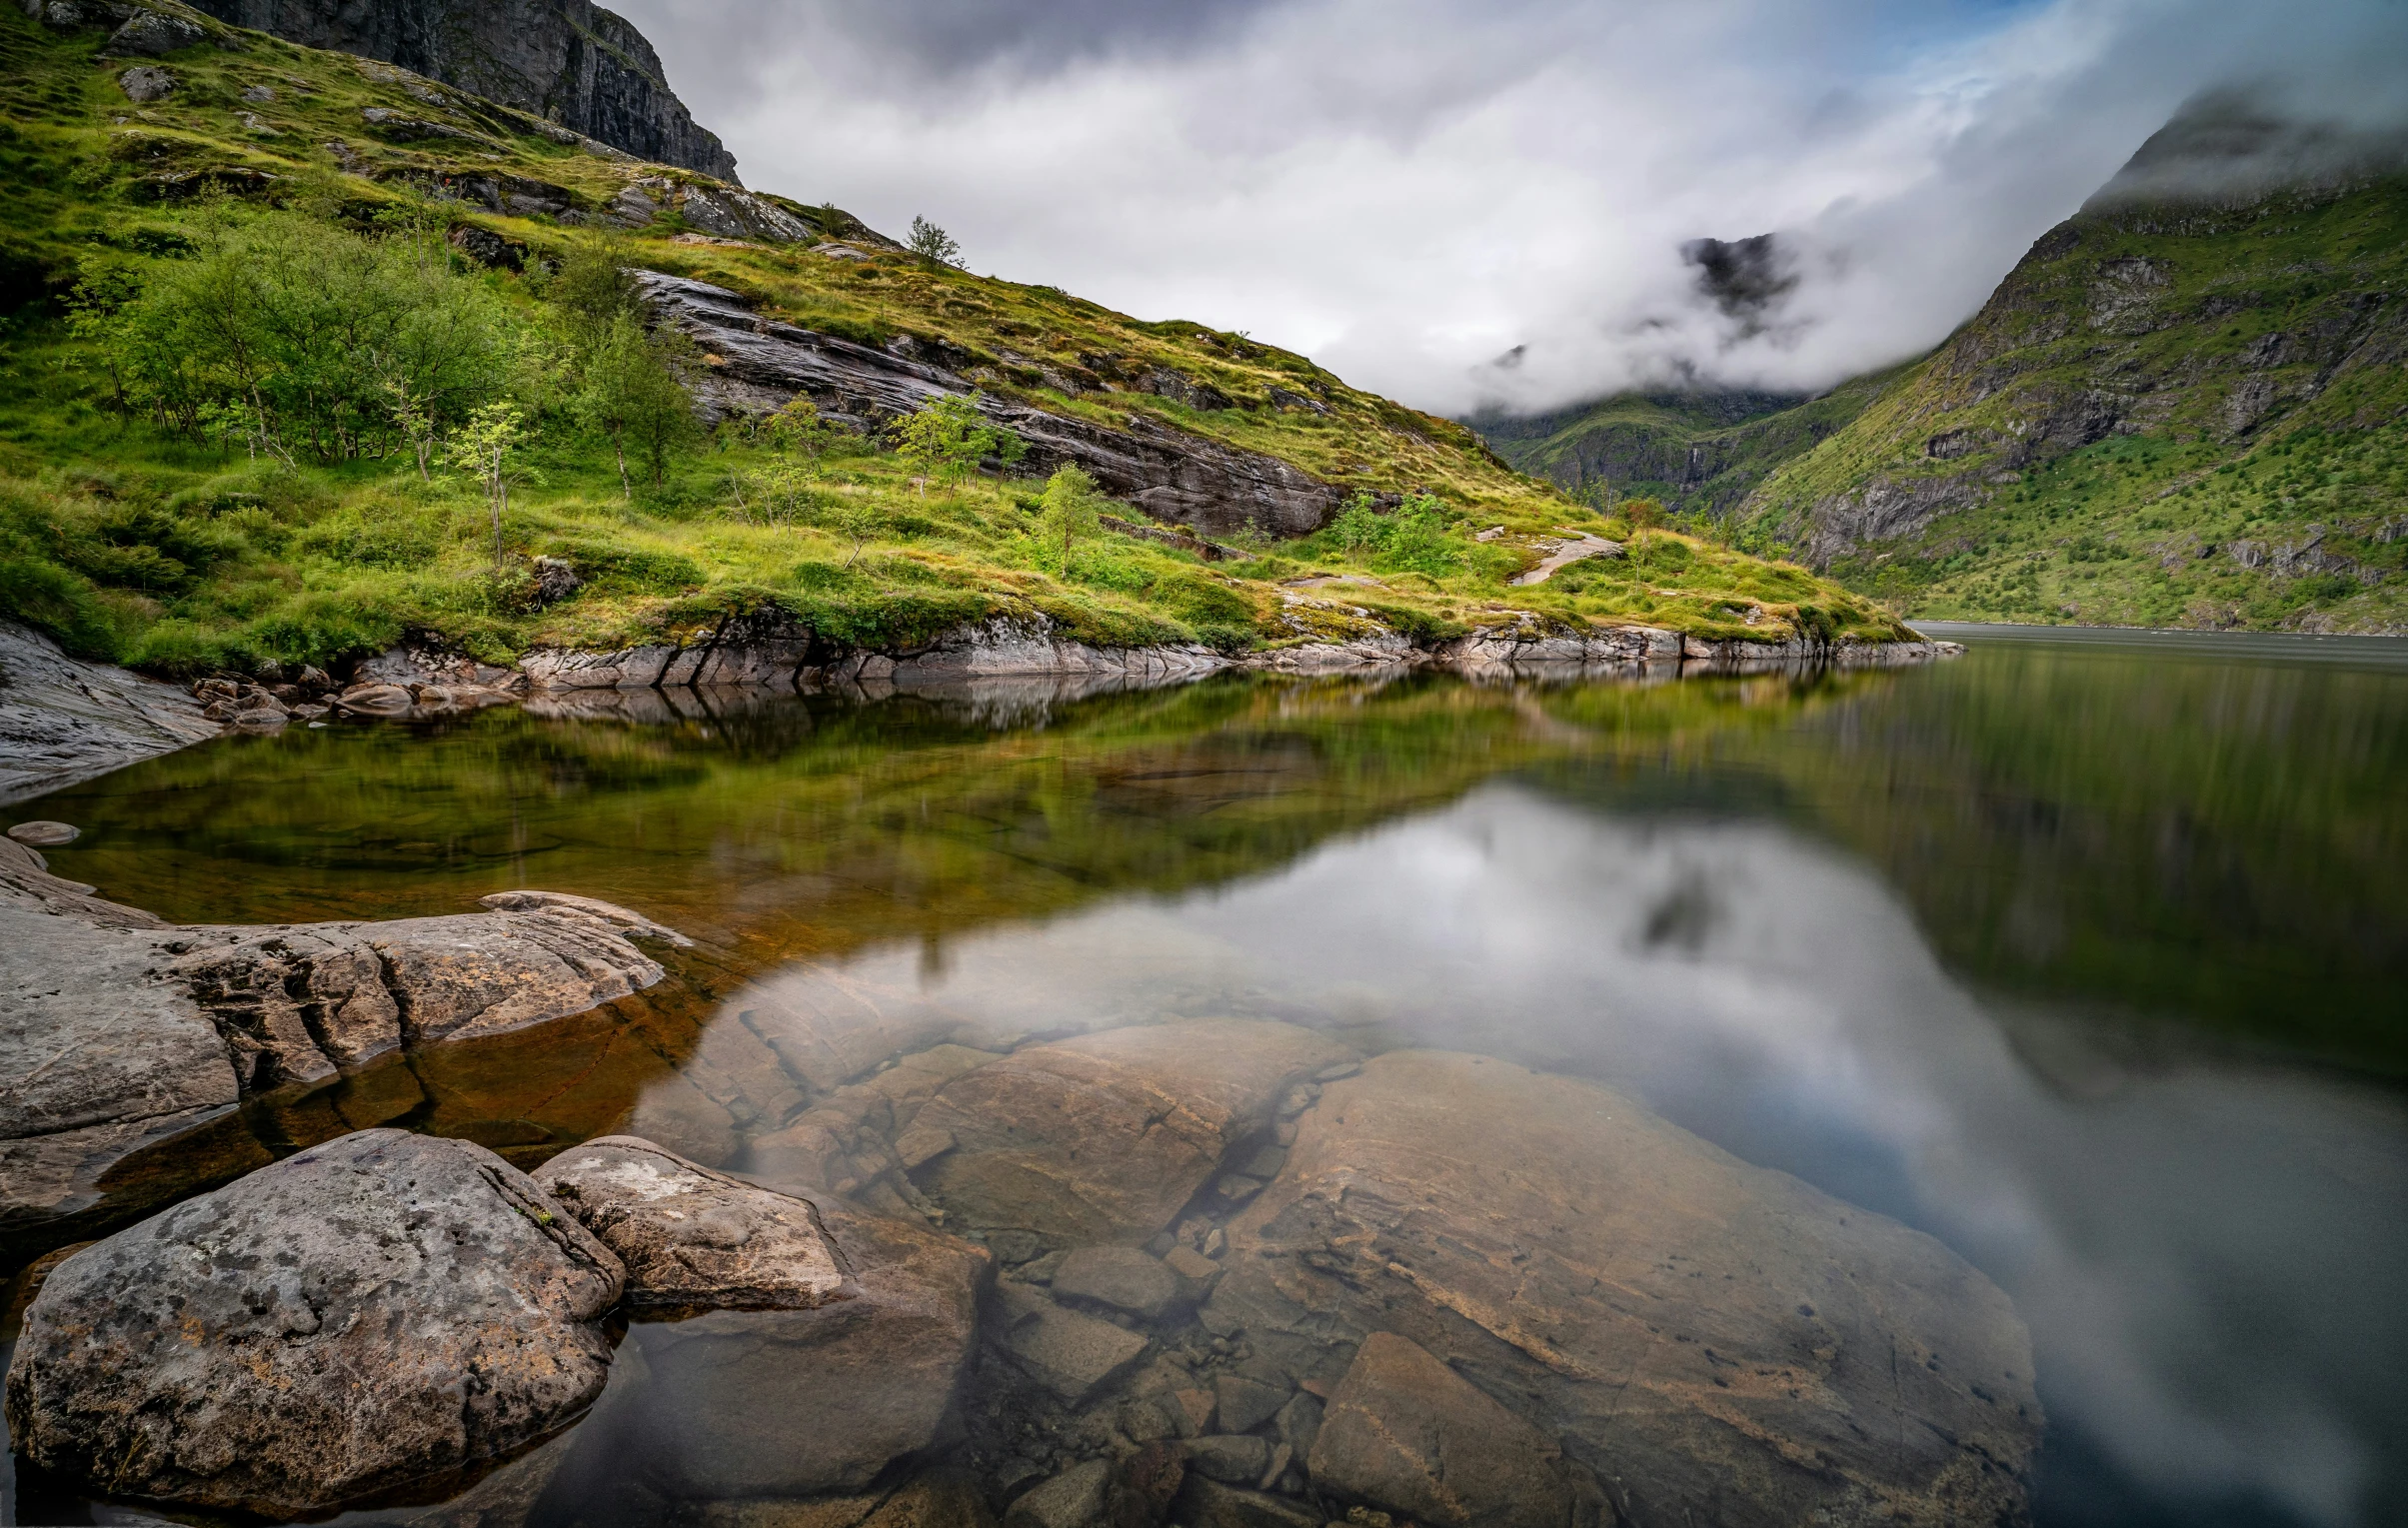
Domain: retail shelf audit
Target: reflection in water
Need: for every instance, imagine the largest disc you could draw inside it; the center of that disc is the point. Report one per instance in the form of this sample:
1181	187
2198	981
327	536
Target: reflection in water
2023	950
2208	1254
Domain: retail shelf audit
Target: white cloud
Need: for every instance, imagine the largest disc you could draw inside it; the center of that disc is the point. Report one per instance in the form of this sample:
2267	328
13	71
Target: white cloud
1406	190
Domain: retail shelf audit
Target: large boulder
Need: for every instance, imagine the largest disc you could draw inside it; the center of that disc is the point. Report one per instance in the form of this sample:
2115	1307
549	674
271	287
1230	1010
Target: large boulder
1717	1343
63	719
372	1312
816	1398
1105	1139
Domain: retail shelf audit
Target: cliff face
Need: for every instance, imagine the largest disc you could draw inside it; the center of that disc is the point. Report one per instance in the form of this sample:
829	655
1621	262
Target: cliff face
570	61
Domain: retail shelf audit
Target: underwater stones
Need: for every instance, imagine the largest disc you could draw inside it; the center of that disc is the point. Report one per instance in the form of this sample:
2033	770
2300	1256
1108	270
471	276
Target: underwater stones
941	1499
1124	1278
1105	1139
1408	1436
690	1237
376	1311
1079	1497
804	1402
1244	1404
1231	1458
1721	1343
1070	1354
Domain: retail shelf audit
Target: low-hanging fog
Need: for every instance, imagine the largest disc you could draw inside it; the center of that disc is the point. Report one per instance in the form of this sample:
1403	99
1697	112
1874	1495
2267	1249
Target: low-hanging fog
1409	191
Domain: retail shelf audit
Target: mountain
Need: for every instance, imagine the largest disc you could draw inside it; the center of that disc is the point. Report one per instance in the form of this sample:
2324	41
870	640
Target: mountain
1699	452
194	479
568	60
2185	405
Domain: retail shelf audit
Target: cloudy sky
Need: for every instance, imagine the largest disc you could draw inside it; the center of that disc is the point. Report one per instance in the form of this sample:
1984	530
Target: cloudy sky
1406	189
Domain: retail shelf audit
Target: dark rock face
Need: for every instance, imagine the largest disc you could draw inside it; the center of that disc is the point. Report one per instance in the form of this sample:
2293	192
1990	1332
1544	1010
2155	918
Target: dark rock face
1176	477
378	1311
690	1237
1105	1139
1715	1342
569	61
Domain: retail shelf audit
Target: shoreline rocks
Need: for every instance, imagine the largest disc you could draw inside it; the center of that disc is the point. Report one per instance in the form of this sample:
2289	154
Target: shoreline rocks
119	1032
378	1311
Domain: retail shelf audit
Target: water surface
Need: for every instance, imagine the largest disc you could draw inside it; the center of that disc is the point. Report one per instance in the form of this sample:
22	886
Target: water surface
2088	954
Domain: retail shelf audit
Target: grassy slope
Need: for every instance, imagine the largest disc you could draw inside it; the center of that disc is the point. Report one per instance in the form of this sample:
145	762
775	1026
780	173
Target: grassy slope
147	549
2196	508
1700	455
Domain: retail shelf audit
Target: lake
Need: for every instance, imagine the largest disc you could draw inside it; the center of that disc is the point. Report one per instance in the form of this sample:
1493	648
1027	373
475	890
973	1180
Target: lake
2085	953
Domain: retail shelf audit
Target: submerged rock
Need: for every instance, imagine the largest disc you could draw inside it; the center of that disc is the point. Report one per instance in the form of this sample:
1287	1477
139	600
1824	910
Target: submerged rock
1105	1139
818	1398
1717	1343
1070	1354
374	1311
1408	1436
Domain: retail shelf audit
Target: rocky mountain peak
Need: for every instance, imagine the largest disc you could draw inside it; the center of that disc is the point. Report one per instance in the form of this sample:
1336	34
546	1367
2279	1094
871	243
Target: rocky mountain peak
571	61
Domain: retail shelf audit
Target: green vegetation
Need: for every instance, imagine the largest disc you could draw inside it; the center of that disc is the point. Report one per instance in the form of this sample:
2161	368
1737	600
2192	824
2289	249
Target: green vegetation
2166	416
1700	452
289	376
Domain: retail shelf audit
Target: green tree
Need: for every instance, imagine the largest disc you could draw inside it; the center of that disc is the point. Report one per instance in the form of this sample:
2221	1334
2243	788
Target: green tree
948	439
482	448
316	331
1071	510
797	427
593	288
934	245
632	391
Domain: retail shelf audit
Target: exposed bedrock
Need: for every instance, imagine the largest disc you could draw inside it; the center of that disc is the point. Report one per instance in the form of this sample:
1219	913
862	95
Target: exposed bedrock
382	1309
1715	1342
63	719
1176	477
569	61
828	1342
118	1030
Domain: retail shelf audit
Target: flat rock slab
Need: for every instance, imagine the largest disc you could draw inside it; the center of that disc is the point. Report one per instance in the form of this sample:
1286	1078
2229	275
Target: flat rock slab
45	834
119	1032
1105	1139
690	1237
808	1402
63	719
1408	1436
1715	1342
1070	1354
377	1310
1126	1279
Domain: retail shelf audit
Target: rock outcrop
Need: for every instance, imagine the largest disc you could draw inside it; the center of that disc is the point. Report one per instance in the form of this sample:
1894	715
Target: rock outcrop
759	363
376	1311
119	1032
1715	1342
63	719
1105	1139
568	60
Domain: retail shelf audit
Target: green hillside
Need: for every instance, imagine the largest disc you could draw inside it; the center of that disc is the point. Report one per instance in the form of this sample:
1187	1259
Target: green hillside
265	301
1699	453
2180	409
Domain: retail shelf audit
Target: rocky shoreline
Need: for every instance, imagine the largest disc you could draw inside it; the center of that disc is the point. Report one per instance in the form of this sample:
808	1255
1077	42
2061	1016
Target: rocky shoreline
1223	1273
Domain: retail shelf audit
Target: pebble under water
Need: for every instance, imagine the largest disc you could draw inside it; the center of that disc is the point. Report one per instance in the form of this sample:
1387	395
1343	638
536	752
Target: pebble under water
2085	955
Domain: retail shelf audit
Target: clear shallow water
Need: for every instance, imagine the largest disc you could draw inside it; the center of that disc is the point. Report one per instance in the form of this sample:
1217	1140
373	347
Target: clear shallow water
2088	954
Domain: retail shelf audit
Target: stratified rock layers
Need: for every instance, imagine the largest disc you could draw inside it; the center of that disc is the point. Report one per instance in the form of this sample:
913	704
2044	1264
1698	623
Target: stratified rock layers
1717	1343
380	1309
